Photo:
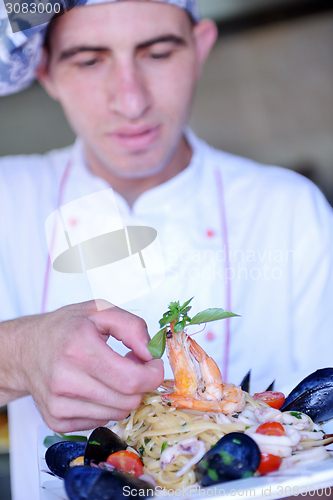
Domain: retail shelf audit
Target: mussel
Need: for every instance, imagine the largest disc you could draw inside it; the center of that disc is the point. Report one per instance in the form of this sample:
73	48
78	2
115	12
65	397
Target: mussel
313	396
89	483
234	456
60	455
245	383
101	443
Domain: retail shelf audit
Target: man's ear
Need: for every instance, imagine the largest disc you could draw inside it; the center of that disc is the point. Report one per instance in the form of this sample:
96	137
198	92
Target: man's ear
205	35
43	75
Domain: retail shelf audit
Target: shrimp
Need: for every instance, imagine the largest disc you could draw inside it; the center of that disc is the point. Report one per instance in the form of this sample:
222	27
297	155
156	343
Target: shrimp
182	363
208	393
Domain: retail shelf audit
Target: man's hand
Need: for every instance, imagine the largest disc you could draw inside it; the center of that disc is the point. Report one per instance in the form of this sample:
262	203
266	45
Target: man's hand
76	379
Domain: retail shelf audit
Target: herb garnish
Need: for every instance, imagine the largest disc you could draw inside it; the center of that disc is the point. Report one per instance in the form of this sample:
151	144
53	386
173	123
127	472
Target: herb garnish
141	450
58	437
227	459
163	446
296	414
178	315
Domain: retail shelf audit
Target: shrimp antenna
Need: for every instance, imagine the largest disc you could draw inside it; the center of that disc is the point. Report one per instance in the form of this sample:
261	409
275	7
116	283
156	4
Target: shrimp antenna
199	331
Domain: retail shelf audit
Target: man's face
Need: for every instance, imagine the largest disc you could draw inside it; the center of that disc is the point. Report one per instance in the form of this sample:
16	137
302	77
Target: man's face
125	74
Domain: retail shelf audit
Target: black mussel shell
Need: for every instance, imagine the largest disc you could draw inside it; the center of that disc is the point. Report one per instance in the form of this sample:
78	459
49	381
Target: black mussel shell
317	379
101	443
245	383
313	396
59	455
234	456
89	483
271	386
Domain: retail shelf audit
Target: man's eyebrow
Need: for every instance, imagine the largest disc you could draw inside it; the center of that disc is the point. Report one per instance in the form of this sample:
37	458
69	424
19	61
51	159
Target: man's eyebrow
176	40
66	54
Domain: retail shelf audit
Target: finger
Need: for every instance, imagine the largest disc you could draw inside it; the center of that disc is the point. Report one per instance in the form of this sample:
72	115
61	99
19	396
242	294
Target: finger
78	424
87	351
124	326
110	392
130	355
64	408
134	378
123	374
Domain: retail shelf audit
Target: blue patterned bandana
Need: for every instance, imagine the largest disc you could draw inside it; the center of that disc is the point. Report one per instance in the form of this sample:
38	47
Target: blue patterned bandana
20	51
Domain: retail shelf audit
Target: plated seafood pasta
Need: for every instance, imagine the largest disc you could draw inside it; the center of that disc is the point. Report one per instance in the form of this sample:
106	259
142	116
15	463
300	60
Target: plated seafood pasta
175	427
196	428
171	441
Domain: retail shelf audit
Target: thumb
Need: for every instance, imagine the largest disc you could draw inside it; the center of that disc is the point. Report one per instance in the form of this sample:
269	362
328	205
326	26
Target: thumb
130	355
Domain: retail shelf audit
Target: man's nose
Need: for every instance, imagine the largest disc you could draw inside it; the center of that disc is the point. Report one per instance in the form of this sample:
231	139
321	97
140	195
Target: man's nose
128	91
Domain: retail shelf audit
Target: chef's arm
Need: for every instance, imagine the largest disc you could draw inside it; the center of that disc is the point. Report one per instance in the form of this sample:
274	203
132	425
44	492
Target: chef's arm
12	383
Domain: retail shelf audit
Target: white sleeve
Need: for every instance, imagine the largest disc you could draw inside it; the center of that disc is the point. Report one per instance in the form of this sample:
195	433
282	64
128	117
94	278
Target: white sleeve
312	280
8	296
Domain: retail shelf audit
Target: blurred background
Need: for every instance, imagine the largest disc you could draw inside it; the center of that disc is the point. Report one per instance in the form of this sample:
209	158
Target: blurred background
266	93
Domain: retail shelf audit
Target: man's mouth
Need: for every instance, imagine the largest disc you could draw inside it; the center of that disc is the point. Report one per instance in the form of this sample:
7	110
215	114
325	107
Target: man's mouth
136	138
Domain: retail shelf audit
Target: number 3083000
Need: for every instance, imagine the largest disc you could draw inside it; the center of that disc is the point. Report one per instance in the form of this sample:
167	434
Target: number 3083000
32	8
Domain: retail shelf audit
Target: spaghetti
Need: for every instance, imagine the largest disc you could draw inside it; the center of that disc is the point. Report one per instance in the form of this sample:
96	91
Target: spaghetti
154	428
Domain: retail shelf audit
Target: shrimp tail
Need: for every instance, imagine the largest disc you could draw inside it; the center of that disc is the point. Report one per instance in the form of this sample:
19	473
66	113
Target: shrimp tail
183	401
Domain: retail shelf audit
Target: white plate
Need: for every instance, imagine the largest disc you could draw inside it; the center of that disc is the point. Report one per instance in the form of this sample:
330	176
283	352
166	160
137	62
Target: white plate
297	481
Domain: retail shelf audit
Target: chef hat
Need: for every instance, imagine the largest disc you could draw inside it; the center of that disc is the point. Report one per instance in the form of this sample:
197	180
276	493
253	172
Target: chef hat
20	51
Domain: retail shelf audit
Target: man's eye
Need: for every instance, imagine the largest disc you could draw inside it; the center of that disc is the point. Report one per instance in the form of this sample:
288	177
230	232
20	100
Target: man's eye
90	62
160	55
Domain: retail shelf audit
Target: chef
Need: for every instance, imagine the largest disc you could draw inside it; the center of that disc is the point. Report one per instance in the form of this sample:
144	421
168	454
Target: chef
253	239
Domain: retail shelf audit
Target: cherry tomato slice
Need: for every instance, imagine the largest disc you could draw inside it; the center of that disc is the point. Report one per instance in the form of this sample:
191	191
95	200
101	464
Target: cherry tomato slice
126	461
268	463
271	429
273	399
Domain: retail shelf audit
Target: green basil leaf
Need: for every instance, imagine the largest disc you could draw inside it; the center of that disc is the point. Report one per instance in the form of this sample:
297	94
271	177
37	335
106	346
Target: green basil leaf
82	439
58	438
184	306
179	327
50	440
157	344
168	318
211	315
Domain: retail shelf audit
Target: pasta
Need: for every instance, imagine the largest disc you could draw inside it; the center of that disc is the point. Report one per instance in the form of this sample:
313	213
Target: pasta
153	427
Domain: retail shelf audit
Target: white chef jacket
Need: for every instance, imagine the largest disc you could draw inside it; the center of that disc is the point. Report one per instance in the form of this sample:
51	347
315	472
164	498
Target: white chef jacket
235	234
